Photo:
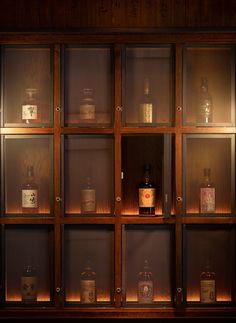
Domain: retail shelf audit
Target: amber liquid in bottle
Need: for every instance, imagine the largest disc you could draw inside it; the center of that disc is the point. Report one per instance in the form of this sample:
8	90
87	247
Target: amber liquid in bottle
205	106
30	193
146	108
29	283
207	285
207	193
147	194
88	285
145	285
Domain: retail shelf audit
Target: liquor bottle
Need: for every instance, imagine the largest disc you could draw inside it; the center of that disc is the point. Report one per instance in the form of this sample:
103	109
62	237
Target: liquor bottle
207	193
29	283
87	106
145	290
205	105
88	198
207	285
30	109
30	192
88	285
146	108
147	193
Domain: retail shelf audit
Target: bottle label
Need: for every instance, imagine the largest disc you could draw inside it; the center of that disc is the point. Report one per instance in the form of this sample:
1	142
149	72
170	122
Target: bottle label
207	291
145	291
87	111
30	198
29	288
146	113
88	200
29	112
87	291
147	197
207	200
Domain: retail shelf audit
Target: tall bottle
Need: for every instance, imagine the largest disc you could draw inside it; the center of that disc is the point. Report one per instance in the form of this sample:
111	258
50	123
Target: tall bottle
147	193
207	285
30	192
88	198
87	106
88	285
146	107
205	105
28	283
30	109
207	193
145	289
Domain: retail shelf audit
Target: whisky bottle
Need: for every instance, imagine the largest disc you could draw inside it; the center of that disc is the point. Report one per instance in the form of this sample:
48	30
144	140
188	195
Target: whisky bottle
205	105
147	193
146	108
207	285
207	193
87	106
30	110
30	192
145	285
88	285
29	283
88	198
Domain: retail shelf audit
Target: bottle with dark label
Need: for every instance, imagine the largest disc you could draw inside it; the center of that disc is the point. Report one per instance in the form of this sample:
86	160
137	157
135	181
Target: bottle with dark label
205	106
207	285
207	193
30	109
145	285
29	283
87	106
29	192
88	198
88	285
146	107
147	193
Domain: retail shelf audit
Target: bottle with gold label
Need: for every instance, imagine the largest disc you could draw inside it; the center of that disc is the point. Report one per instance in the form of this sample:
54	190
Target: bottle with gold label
28	283
88	198
147	193
146	107
207	193
145	290
88	285
207	285
30	109
205	105
29	192
87	106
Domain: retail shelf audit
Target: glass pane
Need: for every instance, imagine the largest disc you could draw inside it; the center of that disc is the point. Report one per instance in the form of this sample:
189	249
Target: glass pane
148	86
29	263
212	247
89	248
28	174
209	86
27	86
209	194
88	86
88	174
138	249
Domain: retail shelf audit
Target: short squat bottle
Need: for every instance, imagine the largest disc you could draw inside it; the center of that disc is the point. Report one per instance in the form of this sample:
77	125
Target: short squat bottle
207	193
145	285
29	192
30	109
207	285
147	193
87	106
28	283
88	285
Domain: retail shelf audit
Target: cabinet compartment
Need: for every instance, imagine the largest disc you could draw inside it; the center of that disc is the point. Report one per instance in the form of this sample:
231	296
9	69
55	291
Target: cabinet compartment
27	68
21	151
88	68
138	242
215	243
93	243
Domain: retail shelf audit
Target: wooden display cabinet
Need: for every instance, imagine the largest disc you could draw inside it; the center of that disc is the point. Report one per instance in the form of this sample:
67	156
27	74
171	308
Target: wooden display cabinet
75	134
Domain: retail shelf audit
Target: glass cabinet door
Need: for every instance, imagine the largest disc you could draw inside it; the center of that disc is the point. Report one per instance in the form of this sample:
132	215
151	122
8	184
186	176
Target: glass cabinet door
148	86
27	86
209	85
87	86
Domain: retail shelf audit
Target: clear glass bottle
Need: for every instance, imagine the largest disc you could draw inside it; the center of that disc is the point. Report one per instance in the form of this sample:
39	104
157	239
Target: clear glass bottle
88	198
205	106
147	193
29	283
207	284
87	106
146	107
29	192
88	285
207	193
30	109
145	291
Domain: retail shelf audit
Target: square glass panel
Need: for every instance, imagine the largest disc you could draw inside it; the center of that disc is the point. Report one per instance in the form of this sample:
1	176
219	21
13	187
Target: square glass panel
27	86
139	255
209	86
88	86
28	175
88	178
28	264
89	264
148	93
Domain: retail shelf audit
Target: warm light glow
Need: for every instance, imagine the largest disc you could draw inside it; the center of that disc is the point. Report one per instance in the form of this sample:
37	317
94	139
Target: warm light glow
100	118
99	210
19	211
132	297
76	298
134	211
218	211
195	297
17	298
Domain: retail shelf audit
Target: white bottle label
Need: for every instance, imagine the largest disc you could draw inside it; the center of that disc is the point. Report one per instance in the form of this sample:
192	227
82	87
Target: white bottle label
29	112
29	288
146	112
147	197
207	199
87	291
145	291
30	198
87	111
207	291
88	198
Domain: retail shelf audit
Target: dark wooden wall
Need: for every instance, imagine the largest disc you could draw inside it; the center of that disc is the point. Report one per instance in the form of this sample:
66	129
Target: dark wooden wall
76	14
